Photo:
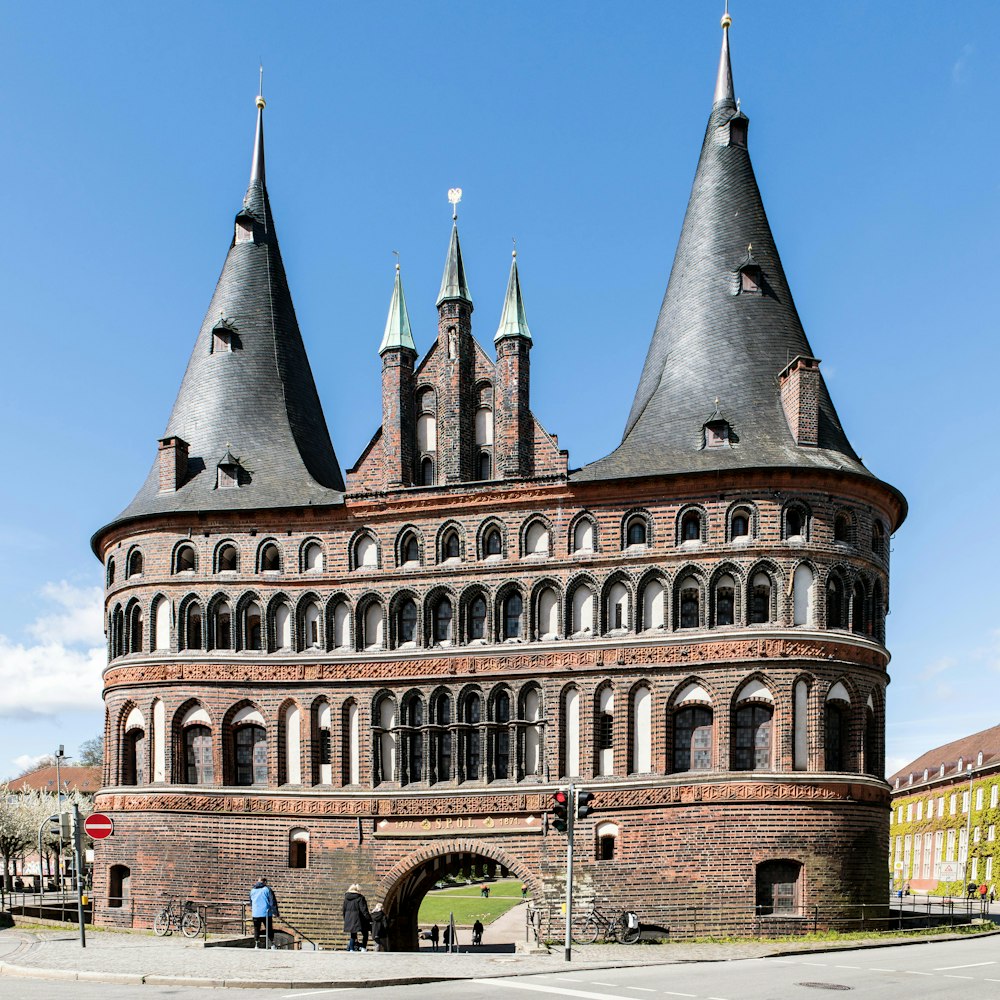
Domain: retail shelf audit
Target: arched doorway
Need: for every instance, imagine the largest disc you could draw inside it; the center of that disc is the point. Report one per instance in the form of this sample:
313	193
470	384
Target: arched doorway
403	889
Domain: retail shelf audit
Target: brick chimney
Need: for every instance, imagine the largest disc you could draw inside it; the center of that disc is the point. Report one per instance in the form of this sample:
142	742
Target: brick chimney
173	457
800	391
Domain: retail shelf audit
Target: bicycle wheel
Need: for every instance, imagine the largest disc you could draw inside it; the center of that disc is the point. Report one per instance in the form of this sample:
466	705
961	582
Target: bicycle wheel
161	923
191	924
627	931
586	932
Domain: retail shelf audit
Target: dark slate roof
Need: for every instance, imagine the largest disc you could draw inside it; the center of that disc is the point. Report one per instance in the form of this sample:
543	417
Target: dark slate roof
257	402
712	343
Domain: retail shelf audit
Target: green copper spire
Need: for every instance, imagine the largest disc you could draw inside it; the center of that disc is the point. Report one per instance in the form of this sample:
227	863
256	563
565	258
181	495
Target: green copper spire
453	283
512	320
397	325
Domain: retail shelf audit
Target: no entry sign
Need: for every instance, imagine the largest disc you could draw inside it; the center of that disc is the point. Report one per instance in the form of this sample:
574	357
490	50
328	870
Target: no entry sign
99	826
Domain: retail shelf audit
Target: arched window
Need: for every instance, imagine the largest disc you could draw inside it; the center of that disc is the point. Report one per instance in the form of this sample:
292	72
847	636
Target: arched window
760	599
752	737
693	739
642	731
298	848
477	618
606	841
548	614
222	621
442	622
199	767
834	603
312	558
618	607
119	885
837	728
111	571
484	426
270	558
406	622
795	523
473	718
133	766
635	531
228	559
725	600
373	626
252	627
365	553
871	742
351	735
134	567
409	550
324	743
583	535
249	755
387	740
571	733
800	726
739	524
426	433
858	608
342	625
536	539
691	527
512	609
500	735
878	539
583	610
878	612
282	627
426	472
532	713
605	732
291	749
160	625
442	739
413	718
194	627
493	544
135	629
802	595
689	594
841	528
451	546
184	559
312	637
653	606
485	463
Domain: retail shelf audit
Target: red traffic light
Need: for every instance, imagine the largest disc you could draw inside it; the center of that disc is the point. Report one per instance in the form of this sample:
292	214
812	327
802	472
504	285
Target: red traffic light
560	810
560	798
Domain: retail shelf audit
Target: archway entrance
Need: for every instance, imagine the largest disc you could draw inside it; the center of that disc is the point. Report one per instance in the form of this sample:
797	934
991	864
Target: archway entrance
405	887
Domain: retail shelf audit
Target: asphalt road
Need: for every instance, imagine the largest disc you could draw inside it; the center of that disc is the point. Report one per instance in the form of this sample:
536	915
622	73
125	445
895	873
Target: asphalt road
957	970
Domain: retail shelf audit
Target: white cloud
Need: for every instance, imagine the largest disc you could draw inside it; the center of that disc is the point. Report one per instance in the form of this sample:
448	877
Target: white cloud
938	666
960	68
25	762
63	669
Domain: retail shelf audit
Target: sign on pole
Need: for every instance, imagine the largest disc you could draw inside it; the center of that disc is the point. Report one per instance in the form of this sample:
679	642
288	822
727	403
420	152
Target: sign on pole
99	826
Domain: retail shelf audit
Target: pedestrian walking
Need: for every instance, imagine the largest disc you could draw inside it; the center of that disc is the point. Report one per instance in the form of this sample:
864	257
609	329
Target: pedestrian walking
524	892
484	891
435	937
263	909
447	938
357	919
477	932
380	927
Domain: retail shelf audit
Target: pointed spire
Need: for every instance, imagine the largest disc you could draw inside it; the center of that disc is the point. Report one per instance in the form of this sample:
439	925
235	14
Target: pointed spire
257	166
512	320
724	81
397	325
453	283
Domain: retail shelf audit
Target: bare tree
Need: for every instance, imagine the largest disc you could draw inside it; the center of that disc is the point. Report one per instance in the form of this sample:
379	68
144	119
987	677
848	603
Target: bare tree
91	752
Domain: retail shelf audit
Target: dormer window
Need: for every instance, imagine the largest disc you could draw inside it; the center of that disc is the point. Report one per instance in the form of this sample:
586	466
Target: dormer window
751	278
228	472
223	336
244	227
717	431
738	130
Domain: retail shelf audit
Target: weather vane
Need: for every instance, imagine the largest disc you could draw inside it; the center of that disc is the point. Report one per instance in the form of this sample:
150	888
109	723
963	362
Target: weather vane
260	86
454	196
395	253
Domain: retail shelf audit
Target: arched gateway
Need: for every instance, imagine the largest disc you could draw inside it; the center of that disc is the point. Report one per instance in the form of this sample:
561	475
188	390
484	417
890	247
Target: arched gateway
404	888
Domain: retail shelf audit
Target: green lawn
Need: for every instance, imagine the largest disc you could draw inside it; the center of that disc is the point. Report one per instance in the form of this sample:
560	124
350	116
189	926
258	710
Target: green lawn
468	905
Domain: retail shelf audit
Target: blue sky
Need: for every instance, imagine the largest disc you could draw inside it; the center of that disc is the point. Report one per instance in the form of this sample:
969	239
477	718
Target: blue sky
574	127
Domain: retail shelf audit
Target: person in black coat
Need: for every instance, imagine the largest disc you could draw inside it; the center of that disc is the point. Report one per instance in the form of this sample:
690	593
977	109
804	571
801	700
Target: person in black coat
380	928
357	919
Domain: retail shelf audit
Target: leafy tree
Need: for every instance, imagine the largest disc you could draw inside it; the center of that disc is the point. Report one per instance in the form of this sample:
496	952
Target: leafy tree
91	752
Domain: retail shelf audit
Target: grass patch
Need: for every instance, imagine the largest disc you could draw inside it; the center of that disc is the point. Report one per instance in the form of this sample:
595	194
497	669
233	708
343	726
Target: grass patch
821	936
468	905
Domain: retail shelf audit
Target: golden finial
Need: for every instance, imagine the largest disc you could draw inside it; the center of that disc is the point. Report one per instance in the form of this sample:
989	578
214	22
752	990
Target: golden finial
726	19
454	196
260	88
513	252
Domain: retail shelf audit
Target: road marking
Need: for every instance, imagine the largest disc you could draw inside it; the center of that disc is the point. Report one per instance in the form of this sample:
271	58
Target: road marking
971	965
958	977
312	993
847	966
671	993
911	972
817	965
559	990
595	982
873	969
644	989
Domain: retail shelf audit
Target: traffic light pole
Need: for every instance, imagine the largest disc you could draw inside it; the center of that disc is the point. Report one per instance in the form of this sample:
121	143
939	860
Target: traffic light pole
79	873
570	821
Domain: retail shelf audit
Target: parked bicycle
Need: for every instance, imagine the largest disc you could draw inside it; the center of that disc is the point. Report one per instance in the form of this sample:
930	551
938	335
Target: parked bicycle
169	919
620	927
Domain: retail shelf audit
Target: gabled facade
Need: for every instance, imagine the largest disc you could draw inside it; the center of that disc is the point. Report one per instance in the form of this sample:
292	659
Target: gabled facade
383	680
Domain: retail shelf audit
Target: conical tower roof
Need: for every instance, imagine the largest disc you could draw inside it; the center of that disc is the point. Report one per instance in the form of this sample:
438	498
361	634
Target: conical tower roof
258	397
711	341
397	325
453	283
513	322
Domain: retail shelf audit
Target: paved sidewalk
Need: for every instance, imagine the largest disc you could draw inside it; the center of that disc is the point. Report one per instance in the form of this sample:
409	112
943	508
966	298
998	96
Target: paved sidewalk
134	958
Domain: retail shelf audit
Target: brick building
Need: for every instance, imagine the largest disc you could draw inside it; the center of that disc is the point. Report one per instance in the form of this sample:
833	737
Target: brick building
942	800
382	679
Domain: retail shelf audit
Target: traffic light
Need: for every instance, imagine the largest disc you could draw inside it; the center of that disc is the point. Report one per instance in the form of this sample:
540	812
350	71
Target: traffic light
583	806
560	810
61	825
55	825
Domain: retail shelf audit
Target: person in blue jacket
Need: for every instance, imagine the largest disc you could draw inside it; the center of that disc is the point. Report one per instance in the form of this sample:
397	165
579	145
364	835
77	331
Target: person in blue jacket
263	906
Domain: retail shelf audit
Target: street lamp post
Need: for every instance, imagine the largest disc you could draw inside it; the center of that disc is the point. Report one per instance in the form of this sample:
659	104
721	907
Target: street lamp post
60	757
968	835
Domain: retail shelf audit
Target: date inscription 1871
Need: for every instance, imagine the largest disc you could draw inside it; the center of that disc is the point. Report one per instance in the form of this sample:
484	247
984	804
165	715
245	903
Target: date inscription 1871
445	826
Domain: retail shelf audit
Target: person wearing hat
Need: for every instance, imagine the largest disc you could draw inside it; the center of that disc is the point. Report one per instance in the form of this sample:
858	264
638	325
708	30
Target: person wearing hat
357	919
263	907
